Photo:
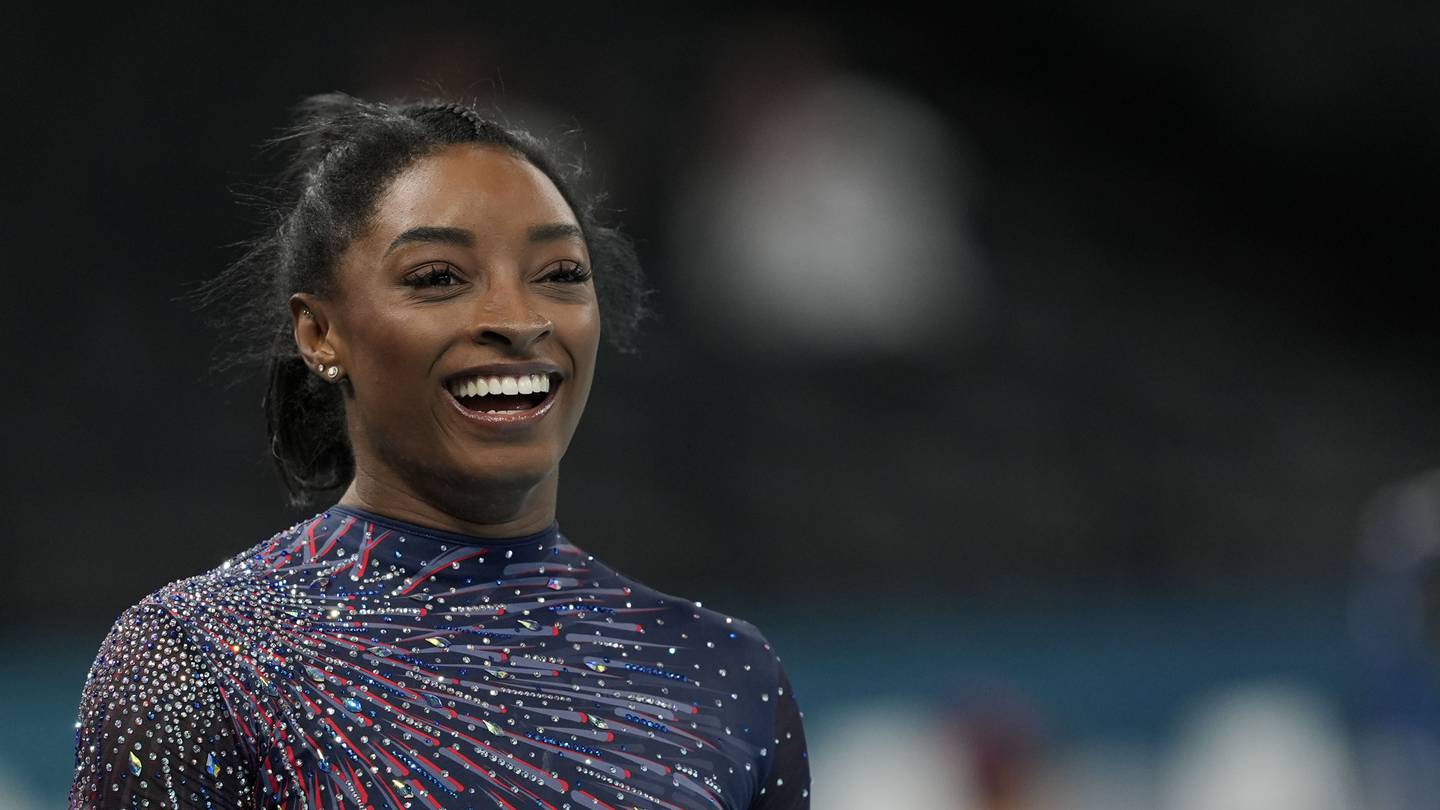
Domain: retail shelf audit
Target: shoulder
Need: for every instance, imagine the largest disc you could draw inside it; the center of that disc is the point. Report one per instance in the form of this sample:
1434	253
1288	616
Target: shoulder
150	650
189	617
145	632
760	690
707	640
751	647
151	718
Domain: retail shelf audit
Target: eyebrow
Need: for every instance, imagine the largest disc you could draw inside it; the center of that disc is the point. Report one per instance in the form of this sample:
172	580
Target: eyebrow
553	231
459	236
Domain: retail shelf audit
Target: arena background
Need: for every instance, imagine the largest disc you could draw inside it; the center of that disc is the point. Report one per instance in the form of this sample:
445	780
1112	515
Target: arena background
1056	388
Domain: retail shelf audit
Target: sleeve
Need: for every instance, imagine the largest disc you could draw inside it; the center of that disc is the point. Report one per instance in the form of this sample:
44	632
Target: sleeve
153	729
787	782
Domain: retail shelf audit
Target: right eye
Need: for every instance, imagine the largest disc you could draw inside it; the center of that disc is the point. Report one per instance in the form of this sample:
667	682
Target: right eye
433	275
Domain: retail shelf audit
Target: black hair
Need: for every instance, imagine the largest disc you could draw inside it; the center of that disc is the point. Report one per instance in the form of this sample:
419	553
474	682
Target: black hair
345	152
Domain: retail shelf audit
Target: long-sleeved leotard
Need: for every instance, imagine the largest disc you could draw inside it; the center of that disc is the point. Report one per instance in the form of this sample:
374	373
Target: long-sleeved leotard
356	661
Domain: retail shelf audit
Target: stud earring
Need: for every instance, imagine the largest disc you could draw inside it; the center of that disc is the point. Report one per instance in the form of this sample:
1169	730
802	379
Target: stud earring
332	372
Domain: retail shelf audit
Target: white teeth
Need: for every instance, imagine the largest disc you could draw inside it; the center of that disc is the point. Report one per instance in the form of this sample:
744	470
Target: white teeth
483	386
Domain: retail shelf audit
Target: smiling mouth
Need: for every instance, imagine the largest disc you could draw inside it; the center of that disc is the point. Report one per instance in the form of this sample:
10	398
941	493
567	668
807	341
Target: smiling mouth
502	395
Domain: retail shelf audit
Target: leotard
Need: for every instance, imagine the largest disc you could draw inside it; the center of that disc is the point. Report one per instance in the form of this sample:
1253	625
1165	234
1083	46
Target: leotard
358	661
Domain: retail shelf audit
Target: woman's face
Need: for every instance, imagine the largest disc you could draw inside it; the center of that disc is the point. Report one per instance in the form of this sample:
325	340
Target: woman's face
473	262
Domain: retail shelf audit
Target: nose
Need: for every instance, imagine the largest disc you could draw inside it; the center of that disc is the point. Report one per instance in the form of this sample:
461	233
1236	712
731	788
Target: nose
508	318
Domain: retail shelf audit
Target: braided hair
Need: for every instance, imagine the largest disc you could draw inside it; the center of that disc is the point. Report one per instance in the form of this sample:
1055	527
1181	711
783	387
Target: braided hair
344	153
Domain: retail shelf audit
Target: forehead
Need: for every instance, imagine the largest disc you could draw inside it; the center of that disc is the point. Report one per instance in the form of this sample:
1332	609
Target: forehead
487	190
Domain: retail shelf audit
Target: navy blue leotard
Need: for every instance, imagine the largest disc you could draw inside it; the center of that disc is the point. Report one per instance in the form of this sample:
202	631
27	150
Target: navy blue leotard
354	660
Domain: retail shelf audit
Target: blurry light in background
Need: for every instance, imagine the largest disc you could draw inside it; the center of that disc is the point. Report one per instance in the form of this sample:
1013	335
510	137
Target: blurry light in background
834	224
1262	747
888	754
1395	628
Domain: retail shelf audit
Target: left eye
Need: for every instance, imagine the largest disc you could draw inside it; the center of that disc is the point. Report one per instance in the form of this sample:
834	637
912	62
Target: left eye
570	273
435	275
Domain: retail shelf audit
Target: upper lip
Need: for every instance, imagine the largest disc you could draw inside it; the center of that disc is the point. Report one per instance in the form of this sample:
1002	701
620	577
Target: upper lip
507	370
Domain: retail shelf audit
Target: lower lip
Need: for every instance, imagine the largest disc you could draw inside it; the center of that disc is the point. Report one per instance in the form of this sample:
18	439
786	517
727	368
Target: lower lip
507	420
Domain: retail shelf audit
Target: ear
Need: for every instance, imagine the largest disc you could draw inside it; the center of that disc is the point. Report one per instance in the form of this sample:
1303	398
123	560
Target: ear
314	337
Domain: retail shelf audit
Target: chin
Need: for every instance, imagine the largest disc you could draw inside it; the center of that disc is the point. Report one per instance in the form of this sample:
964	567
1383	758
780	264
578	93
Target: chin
507	470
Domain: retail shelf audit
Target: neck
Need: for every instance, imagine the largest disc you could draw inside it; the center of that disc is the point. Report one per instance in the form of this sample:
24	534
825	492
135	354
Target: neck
499	510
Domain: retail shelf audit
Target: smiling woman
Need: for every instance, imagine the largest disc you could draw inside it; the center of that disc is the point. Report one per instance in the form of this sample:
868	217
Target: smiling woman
430	304
472	269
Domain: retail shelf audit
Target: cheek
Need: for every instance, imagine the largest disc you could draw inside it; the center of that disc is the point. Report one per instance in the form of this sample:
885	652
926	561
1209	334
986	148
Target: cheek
393	357
585	346
586	330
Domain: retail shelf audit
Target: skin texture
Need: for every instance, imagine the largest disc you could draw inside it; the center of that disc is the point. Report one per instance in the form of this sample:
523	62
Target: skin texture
506	299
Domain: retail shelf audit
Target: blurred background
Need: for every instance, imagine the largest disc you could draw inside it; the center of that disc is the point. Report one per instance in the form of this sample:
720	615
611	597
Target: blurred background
1056	389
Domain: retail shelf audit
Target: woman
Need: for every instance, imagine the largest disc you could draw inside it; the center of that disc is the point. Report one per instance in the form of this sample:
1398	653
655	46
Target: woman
430	303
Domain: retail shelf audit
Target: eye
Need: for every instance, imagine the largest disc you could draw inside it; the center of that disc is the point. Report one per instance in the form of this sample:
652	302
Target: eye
433	275
570	273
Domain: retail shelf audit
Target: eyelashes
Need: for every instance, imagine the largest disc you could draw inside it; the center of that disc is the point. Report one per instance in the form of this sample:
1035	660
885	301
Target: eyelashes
444	275
430	276
572	273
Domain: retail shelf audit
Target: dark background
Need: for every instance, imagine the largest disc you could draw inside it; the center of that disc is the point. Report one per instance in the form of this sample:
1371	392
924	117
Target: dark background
1205	238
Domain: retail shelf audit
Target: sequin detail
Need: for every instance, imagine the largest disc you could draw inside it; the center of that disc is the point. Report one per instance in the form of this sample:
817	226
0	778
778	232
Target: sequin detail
356	661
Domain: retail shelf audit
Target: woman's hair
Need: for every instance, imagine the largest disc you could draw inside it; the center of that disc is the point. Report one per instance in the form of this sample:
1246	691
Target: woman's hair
345	152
